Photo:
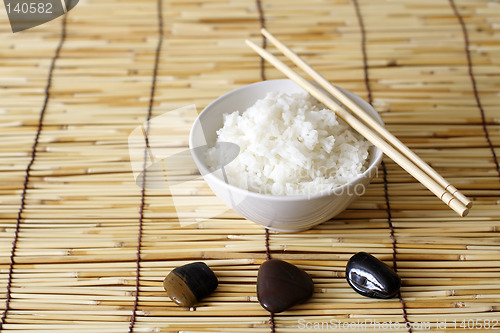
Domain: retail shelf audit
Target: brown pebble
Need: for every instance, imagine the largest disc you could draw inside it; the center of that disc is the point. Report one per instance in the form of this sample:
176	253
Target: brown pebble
187	285
281	285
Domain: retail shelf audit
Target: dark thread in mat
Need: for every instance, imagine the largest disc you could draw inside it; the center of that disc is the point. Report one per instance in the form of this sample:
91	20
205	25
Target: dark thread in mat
268	257
268	250
393	239
386	189
389	216
144	162
28	169
262	23
473	82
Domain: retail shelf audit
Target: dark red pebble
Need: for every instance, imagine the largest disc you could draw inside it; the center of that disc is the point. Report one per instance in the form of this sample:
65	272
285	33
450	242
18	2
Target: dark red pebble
281	285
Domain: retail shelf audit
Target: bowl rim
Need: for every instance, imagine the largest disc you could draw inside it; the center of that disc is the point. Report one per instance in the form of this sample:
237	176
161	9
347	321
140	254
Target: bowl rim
294	197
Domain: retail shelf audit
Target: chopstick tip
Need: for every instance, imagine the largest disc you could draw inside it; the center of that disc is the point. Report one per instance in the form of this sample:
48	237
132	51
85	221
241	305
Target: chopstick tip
455	204
456	193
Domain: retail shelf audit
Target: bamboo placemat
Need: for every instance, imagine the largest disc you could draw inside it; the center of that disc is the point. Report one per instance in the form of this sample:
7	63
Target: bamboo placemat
84	249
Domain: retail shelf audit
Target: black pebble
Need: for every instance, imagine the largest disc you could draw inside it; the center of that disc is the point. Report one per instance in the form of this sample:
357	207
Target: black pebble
188	284
371	277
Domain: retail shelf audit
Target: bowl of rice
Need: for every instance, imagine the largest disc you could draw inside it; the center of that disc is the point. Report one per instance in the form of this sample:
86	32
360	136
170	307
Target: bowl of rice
276	156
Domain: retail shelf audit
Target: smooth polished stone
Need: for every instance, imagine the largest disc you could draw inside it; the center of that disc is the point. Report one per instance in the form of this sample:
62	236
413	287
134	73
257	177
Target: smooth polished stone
281	285
371	277
187	285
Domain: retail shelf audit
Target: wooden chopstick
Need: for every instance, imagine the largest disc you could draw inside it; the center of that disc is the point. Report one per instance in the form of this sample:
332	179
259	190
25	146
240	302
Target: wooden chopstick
351	105
368	133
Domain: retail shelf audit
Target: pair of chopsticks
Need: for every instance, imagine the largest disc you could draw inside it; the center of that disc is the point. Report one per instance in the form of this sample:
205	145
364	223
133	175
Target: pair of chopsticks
371	129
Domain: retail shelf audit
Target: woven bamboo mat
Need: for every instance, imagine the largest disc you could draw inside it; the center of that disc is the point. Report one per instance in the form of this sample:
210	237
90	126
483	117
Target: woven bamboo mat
83	249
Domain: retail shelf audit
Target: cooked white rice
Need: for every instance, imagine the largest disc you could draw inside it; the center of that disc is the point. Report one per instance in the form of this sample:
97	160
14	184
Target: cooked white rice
289	145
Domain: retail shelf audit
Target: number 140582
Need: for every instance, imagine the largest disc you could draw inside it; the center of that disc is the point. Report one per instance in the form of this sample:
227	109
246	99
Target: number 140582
30	7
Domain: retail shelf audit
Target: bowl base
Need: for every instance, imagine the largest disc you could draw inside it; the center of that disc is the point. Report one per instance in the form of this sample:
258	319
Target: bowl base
288	231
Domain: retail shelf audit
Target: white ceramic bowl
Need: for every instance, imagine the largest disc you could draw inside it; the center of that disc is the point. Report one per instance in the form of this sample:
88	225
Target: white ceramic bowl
281	213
